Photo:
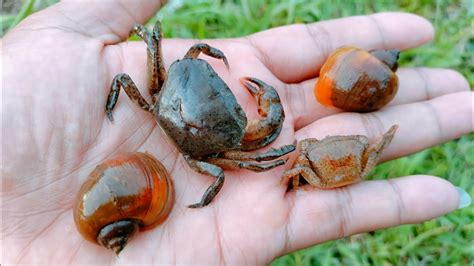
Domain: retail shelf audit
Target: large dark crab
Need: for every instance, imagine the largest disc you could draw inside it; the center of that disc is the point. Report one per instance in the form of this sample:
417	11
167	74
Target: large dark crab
198	111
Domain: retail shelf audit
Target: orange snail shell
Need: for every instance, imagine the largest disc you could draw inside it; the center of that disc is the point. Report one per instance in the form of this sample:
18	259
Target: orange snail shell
356	80
122	195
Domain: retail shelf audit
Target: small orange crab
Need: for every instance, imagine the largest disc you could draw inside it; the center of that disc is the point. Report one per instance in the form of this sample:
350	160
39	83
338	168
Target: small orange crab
336	161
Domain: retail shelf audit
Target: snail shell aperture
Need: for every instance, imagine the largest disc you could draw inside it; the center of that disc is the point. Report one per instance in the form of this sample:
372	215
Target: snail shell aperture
121	196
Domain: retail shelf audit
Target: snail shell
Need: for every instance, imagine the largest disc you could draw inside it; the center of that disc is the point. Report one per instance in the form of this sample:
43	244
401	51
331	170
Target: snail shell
356	80
121	196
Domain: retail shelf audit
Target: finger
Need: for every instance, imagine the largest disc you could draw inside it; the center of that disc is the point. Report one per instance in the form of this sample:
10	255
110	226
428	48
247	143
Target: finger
421	124
416	84
319	216
421	84
294	61
109	21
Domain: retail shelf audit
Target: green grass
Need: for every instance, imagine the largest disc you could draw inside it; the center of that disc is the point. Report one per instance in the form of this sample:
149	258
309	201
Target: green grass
444	241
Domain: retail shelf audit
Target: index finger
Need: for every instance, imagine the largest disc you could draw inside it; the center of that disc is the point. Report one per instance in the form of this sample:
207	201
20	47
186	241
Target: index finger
109	21
296	53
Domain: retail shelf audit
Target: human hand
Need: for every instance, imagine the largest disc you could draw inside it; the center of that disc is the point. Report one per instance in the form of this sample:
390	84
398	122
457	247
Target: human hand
59	64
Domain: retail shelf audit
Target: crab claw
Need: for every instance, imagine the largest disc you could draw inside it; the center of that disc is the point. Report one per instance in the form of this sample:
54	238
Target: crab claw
263	131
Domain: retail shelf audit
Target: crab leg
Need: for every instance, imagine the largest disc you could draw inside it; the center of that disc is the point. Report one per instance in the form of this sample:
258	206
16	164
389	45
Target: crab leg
302	168
269	155
196	49
124	81
211	170
156	68
261	132
303	171
229	164
372	155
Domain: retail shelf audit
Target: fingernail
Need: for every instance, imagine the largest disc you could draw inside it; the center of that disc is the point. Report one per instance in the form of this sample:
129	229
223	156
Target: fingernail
464	198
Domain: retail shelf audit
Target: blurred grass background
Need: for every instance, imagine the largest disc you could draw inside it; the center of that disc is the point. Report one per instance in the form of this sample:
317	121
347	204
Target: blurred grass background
448	240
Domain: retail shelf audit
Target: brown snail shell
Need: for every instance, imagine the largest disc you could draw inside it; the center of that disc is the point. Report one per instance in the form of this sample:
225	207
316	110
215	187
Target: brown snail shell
121	196
356	80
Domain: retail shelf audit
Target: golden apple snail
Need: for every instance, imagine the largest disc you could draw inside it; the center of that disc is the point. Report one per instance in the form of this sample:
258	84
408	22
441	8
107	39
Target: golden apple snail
123	195
358	81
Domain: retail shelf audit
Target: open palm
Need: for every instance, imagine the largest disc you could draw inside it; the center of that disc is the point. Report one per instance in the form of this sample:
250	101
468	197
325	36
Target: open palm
58	66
